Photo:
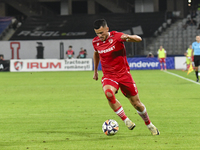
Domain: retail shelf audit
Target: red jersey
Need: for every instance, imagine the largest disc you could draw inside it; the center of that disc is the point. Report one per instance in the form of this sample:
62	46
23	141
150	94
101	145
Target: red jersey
70	52
112	54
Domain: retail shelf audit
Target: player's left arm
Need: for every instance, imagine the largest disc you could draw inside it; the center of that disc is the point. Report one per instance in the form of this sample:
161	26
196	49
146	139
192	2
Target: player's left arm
131	38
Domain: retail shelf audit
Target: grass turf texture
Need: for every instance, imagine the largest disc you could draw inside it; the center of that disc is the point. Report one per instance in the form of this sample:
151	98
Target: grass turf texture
66	110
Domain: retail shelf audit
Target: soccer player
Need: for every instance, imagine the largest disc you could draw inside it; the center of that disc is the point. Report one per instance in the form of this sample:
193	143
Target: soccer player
162	57
109	48
196	53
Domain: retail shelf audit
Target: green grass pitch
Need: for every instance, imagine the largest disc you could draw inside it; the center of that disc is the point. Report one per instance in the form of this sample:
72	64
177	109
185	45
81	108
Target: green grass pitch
66	110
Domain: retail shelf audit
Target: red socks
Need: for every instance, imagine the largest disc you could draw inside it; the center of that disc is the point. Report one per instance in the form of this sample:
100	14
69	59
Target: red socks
145	116
120	112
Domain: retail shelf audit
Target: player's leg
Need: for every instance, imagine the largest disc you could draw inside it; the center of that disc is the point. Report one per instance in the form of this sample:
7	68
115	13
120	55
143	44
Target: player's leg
164	61
141	109
188	62
115	104
161	67
129	89
196	64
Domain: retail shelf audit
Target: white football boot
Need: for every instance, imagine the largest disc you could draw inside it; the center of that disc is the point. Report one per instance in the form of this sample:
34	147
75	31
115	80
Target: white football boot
153	129
129	124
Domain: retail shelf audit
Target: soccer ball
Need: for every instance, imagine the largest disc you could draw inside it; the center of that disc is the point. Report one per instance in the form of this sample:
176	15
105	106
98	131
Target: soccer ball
110	127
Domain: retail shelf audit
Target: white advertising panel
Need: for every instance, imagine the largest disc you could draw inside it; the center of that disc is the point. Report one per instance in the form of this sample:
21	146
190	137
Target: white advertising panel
180	62
31	65
46	49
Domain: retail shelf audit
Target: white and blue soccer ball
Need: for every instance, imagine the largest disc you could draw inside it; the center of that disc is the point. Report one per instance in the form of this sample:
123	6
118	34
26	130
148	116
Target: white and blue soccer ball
110	127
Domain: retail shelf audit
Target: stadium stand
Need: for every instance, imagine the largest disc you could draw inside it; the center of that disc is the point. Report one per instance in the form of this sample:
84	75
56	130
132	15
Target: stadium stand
81	26
5	22
176	39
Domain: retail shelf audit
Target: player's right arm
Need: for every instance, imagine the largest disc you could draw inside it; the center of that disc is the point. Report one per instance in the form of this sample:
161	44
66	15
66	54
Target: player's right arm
96	63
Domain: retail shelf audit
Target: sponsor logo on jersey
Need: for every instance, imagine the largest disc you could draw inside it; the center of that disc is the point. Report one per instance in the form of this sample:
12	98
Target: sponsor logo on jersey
110	40
106	50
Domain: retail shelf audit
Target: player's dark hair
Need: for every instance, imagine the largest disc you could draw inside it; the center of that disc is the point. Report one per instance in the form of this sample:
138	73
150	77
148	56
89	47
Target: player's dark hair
100	22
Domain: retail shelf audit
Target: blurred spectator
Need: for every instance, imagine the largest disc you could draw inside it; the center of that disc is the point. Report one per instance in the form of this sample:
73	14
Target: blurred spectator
82	53
70	53
193	14
190	22
4	65
150	55
1	57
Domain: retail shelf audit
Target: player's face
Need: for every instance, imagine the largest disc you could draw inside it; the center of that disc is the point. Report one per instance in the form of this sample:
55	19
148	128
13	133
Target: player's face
102	33
198	39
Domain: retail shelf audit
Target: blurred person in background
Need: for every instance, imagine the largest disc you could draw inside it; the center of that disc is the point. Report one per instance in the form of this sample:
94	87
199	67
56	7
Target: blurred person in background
189	57
82	53
1	57
70	53
150	55
4	65
162	54
196	54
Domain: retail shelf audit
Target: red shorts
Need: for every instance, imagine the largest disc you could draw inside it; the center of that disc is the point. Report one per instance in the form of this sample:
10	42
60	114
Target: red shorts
125	83
162	60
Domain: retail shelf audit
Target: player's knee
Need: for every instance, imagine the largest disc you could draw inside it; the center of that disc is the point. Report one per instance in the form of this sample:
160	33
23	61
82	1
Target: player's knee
110	96
138	106
109	93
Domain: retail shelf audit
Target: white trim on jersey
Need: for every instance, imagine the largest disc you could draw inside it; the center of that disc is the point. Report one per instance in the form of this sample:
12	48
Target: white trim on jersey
111	80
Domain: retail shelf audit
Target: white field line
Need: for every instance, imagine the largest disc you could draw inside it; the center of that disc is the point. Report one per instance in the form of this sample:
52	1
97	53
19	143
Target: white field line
182	77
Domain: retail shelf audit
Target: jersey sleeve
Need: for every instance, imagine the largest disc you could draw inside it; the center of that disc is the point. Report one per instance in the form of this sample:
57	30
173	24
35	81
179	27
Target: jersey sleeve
118	36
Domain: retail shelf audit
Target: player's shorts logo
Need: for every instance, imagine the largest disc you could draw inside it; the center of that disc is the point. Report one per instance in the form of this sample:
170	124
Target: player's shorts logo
18	65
